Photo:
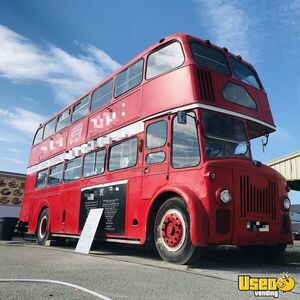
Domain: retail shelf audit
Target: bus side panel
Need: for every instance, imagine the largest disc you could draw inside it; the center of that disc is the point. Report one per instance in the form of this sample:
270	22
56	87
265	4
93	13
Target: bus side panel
119	198
135	219
69	208
49	147
77	133
125	110
190	185
166	89
133	196
53	201
39	202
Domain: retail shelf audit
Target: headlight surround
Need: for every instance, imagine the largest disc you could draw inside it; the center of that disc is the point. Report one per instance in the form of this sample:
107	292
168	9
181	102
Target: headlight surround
286	203
225	196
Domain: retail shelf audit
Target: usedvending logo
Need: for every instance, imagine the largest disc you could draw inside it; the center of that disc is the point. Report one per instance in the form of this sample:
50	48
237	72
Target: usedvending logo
266	286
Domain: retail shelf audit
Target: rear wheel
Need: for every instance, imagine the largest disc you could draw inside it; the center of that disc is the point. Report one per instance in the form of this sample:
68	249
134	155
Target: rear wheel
172	232
43	227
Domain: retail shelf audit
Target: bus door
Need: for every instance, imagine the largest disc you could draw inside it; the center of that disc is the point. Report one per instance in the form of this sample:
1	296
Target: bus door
156	156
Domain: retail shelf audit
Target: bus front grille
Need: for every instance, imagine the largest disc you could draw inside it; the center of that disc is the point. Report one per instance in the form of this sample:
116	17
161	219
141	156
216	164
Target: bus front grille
257	201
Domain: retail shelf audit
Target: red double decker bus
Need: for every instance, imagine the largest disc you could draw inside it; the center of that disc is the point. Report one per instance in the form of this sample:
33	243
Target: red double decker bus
163	145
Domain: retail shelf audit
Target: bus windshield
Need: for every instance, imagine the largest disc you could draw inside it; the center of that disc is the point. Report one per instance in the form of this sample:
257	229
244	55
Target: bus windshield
225	136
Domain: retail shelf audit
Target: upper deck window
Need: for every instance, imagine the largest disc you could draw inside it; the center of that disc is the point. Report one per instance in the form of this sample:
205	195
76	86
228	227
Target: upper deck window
129	78
63	120
80	109
49	128
210	58
244	73
164	60
238	94
102	95
38	136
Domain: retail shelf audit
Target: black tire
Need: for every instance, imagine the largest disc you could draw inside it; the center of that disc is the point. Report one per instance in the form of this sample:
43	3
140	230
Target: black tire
42	231
172	232
265	252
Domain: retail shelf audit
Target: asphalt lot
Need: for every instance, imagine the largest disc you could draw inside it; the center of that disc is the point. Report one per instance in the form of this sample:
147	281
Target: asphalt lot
121	272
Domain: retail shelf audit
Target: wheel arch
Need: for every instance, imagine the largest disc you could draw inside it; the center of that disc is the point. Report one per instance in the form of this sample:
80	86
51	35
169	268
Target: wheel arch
44	207
197	214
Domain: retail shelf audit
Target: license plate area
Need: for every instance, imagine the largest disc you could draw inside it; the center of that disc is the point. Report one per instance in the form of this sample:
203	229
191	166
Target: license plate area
257	226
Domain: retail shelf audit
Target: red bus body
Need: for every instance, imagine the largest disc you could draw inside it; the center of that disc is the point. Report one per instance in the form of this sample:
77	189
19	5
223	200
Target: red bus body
257	191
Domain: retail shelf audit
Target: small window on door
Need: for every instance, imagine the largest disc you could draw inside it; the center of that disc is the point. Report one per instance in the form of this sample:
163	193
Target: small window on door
155	157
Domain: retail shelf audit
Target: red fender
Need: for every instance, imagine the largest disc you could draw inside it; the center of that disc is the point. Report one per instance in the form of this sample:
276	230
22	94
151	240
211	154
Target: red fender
38	209
198	215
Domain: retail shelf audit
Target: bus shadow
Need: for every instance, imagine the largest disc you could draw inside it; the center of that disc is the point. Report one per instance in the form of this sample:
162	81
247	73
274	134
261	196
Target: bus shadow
218	258
129	251
235	260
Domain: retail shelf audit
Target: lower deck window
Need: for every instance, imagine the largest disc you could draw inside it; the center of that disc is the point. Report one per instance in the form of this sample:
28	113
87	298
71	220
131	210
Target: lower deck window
123	155
55	175
94	163
72	170
41	179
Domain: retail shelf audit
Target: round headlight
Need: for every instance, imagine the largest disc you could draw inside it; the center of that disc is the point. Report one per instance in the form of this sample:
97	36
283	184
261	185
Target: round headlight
286	203
225	196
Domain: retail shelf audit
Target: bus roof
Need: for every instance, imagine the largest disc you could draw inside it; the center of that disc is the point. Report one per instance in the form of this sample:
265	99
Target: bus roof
179	36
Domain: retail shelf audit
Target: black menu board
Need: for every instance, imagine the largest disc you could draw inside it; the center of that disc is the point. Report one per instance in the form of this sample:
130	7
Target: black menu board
113	199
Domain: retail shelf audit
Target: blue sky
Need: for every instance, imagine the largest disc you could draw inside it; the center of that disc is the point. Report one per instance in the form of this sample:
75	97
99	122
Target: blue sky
52	51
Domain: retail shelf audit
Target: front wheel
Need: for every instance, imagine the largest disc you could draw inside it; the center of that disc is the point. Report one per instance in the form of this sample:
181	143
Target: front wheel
172	232
43	227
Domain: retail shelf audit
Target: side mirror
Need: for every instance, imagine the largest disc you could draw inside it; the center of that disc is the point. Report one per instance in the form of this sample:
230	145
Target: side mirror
181	117
265	143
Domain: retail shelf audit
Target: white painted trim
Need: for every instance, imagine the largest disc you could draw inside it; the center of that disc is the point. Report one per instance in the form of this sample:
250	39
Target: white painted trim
70	236
130	130
235	114
105	185
76	287
212	108
120	241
